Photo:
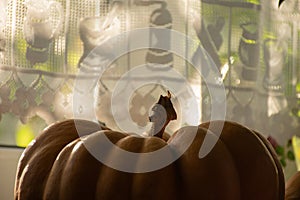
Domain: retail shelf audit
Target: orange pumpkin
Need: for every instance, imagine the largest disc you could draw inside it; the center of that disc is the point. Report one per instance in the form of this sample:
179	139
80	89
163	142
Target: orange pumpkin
57	165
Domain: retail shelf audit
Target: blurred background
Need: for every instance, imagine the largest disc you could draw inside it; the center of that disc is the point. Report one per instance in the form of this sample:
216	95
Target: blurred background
253	43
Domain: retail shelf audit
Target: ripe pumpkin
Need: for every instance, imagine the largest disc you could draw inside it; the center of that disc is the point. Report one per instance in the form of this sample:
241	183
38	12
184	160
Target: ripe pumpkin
57	165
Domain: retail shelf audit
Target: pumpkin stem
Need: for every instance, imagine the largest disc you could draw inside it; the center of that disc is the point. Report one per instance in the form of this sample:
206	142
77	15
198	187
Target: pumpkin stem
163	113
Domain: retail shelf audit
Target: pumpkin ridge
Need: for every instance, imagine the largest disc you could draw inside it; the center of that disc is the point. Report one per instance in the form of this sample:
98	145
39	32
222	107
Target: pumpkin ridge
40	163
159	184
80	174
53	133
281	180
251	155
36	144
104	179
129	139
208	176
111	180
86	156
41	154
53	183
